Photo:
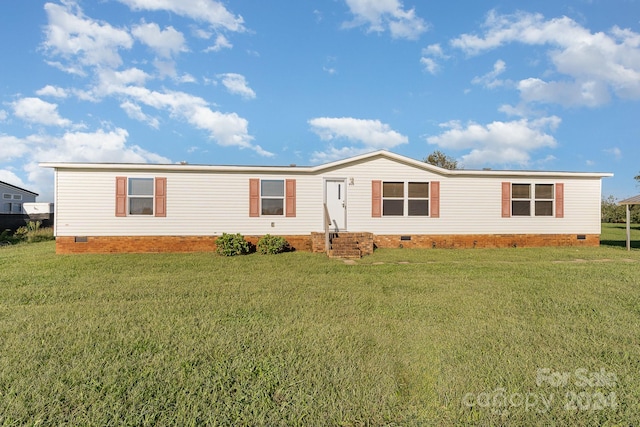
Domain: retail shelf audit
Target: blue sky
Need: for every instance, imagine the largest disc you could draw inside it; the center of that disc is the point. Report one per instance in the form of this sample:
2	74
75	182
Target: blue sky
549	85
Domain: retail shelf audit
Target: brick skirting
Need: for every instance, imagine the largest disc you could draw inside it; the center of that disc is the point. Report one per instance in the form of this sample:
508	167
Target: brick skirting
460	241
315	242
143	244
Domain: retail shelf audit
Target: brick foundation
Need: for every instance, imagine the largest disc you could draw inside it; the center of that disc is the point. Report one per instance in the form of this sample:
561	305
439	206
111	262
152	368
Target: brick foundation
458	241
314	242
364	242
120	244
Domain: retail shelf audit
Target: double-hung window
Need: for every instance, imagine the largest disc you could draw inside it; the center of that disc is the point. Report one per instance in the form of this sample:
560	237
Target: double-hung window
272	197
405	198
393	199
140	196
532	199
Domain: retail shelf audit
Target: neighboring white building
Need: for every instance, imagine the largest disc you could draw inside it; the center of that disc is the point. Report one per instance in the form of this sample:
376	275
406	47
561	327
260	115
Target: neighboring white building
397	200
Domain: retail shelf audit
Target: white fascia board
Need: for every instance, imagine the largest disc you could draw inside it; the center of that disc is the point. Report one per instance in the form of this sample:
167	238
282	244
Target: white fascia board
317	169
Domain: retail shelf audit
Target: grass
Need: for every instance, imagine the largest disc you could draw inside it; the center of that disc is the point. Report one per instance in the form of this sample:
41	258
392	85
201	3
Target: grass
403	337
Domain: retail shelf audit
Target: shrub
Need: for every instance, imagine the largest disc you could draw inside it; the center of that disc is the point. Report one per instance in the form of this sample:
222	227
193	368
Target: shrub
232	244
32	233
269	245
7	238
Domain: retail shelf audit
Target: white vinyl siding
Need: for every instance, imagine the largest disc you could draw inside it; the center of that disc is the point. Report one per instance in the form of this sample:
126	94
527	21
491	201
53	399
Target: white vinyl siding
201	202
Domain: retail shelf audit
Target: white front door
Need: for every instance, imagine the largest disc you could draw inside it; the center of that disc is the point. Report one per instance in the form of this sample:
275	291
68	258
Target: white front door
336	200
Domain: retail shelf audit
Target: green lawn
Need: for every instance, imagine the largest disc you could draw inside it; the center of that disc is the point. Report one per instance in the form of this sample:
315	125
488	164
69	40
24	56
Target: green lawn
403	337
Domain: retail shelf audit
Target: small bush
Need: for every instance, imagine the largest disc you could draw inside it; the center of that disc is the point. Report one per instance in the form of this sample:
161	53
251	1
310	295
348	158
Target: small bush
269	245
32	233
232	244
7	238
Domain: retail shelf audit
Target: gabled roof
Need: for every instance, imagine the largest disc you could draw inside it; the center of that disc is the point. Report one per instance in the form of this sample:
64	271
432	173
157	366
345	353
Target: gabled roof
635	200
18	188
362	158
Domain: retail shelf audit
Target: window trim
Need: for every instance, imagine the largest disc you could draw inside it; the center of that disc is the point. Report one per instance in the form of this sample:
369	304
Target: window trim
557	199
131	197
158	197
288	197
279	198
405	198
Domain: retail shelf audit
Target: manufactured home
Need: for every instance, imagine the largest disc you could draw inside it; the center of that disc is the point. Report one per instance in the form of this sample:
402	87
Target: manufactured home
379	199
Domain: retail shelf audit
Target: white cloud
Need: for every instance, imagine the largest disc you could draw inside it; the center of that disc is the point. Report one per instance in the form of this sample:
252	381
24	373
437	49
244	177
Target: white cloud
88	43
434	50
165	43
490	80
592	63
12	148
221	43
11	178
99	146
615	152
333	153
430	65
135	112
383	15
569	94
226	129
498	142
210	11
237	85
91	43
428	54
370	134
52	91
35	110
3	115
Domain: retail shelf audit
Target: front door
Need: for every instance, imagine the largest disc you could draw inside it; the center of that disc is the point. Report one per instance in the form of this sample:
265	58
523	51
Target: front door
336	200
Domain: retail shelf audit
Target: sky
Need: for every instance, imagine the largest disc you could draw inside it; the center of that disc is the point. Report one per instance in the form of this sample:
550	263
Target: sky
503	84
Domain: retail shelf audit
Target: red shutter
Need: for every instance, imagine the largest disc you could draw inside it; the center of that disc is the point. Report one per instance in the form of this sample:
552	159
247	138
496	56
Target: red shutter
376	199
161	197
559	200
435	199
254	197
291	197
506	199
121	196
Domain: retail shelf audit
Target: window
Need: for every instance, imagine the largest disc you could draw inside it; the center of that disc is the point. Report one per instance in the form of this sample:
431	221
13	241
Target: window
395	201
12	207
544	200
17	197
6	196
140	196
418	199
272	196
522	198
